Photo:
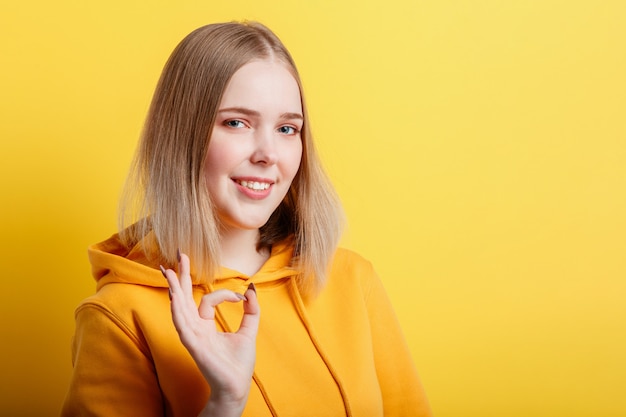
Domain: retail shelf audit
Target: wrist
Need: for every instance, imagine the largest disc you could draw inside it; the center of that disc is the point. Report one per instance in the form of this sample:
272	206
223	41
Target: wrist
211	409
219	406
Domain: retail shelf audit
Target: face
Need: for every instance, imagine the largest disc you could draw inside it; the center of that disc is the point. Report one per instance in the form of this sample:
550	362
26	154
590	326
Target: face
255	147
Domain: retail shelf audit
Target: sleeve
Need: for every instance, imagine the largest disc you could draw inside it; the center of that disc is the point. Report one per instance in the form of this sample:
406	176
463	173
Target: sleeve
401	388
113	373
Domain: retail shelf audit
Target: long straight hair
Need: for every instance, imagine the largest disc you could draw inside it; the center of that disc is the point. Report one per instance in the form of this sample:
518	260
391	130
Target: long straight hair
165	193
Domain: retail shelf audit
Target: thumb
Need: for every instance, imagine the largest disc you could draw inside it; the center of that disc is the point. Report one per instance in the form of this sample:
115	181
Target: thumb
251	314
206	309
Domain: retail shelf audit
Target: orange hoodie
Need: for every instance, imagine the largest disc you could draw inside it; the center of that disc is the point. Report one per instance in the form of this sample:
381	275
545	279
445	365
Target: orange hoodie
339	354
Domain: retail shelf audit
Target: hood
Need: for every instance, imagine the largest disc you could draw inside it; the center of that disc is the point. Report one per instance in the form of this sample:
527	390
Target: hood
113	262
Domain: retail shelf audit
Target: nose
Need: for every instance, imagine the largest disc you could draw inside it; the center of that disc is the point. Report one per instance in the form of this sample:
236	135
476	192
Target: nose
265	151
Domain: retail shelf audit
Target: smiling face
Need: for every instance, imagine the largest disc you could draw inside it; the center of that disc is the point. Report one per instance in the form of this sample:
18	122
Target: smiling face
255	148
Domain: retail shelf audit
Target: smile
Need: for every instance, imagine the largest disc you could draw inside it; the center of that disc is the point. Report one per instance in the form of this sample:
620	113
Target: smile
254	185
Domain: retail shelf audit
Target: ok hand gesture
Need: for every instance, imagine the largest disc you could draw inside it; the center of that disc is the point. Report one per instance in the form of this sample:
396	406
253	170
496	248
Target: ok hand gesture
225	359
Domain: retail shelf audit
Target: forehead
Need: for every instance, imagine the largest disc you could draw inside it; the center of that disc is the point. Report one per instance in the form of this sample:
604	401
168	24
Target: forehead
263	83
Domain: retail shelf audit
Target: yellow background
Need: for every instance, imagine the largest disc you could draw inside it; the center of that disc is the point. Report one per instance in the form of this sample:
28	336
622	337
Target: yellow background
479	148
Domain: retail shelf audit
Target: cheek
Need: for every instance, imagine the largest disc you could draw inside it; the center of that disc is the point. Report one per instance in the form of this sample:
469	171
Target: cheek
295	158
215	166
211	168
215	150
221	157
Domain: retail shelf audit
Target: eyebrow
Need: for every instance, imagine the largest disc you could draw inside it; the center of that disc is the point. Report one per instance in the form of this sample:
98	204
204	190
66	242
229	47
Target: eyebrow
250	112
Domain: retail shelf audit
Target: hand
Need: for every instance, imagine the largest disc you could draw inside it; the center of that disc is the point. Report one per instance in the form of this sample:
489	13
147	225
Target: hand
225	359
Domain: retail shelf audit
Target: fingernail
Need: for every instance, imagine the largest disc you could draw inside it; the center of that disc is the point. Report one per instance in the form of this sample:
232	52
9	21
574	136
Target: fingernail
163	271
252	287
241	296
178	254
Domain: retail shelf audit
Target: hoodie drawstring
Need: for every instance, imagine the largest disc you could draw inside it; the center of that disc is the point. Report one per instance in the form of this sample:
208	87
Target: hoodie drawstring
222	322
299	304
300	308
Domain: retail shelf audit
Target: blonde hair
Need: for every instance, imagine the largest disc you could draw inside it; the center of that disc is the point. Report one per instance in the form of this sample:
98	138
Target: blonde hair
165	192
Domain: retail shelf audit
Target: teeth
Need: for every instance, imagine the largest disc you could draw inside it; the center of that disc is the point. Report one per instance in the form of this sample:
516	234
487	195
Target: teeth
255	185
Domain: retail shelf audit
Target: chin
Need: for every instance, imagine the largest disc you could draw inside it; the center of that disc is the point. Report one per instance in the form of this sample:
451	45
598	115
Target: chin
246	225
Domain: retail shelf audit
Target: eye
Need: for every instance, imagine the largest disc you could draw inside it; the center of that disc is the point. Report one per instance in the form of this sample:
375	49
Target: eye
288	130
237	124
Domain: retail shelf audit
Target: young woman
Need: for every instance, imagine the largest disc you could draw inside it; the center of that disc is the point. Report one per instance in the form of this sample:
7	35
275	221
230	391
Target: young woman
259	314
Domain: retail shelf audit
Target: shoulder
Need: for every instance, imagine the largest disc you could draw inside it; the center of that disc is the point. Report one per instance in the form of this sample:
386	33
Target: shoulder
348	261
128	307
123	298
349	270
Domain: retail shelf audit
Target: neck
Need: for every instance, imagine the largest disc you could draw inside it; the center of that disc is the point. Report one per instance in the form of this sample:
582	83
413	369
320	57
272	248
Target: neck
238	251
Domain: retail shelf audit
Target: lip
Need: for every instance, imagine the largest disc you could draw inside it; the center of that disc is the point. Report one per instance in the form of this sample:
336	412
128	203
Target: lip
250	193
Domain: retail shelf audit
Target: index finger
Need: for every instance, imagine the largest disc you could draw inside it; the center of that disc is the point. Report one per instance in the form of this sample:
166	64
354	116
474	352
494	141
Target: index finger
184	274
251	313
